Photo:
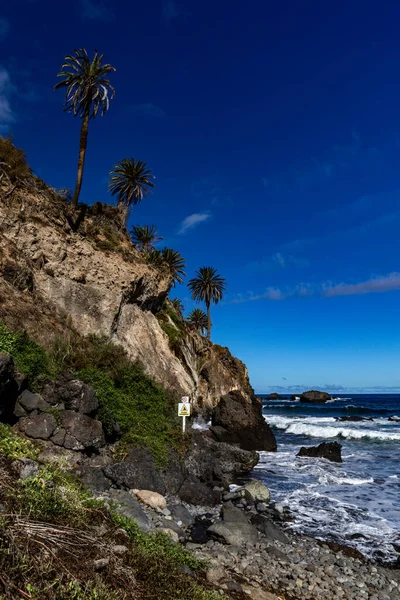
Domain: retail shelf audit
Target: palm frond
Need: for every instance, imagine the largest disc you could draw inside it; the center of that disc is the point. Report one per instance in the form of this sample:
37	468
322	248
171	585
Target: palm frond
88	91
130	181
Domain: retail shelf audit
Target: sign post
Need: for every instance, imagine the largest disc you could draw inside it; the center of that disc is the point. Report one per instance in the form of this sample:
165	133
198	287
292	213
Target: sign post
184	411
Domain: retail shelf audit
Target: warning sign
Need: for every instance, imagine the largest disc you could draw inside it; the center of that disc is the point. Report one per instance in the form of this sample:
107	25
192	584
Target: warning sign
183	409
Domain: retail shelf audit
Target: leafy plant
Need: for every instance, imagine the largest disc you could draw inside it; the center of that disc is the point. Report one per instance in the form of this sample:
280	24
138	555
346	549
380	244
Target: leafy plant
143	409
30	358
13	446
88	92
178	305
13	165
144	237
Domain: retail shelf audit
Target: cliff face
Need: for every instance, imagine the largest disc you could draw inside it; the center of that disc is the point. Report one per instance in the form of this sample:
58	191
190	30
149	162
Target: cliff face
62	269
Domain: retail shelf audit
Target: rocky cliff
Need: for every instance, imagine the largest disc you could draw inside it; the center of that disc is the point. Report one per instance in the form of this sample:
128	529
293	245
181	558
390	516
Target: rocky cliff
75	271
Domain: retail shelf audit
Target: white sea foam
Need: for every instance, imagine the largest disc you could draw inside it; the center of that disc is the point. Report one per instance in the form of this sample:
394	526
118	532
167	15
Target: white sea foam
201	424
328	478
318	428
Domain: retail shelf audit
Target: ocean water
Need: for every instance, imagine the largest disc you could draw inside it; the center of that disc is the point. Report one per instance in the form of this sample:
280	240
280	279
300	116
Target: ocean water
356	503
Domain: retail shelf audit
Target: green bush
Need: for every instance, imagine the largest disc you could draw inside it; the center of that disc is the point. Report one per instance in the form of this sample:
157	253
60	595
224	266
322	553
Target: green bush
30	358
13	161
55	496
13	446
143	409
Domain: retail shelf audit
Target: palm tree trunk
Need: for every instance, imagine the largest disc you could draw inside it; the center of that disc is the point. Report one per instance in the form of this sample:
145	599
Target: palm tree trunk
208	321
81	159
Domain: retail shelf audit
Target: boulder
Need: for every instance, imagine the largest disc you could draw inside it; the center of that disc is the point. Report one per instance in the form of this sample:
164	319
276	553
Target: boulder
181	514
93	478
269	529
274	396
78	432
243	421
72	394
193	491
233	514
255	491
40	426
235	534
30	402
25	468
330	450
315	396
216	462
294	397
394	419
152	499
129	506
137	471
169	533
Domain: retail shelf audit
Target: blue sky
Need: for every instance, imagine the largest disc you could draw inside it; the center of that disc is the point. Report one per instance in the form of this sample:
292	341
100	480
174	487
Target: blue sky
274	132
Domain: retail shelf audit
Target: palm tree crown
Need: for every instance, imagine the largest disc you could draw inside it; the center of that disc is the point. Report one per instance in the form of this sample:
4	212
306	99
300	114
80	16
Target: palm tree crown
208	286
88	89
178	304
145	237
197	320
130	181
174	264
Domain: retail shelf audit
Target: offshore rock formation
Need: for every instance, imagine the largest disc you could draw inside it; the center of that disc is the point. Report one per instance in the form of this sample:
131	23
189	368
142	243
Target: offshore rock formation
64	270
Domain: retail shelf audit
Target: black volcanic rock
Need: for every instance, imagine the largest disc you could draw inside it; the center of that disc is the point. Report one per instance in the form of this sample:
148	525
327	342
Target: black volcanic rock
315	396
242	423
330	450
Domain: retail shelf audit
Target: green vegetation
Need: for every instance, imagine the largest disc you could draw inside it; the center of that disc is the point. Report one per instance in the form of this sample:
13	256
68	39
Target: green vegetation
30	358
13	165
48	544
12	446
208	286
172	323
142	408
54	496
144	237
130	181
170	262
197	320
88	91
178	305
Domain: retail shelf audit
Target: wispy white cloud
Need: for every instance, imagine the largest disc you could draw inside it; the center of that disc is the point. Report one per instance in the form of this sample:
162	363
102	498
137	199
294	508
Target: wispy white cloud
148	109
375	285
170	10
277	260
192	221
7	116
4	28
97	10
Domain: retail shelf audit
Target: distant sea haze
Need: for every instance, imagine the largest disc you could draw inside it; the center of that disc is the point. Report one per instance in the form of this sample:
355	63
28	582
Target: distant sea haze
357	502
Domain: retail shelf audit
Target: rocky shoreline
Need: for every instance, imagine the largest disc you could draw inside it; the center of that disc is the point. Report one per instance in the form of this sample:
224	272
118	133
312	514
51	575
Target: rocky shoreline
249	552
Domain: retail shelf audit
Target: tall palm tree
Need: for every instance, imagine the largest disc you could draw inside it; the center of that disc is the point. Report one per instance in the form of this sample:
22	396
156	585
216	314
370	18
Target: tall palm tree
88	92
198	320
130	181
178	305
174	264
208	286
144	237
